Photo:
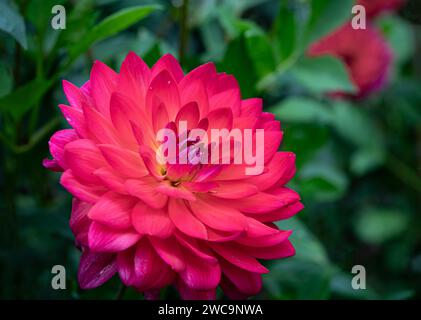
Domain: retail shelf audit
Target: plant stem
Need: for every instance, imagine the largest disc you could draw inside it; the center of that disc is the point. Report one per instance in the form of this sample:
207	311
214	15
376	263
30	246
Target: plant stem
183	31
121	291
403	172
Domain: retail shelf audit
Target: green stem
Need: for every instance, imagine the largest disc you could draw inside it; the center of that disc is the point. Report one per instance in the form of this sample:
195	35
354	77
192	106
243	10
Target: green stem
121	291
34	140
183	31
405	173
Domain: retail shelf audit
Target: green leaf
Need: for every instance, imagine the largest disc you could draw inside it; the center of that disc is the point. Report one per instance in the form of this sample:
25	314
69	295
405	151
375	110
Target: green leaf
285	30
375	226
238	62
322	181
12	22
6	81
400	35
110	26
18	102
301	110
261	52
39	13
341	286
322	75
307	246
326	16
358	128
304	276
296	139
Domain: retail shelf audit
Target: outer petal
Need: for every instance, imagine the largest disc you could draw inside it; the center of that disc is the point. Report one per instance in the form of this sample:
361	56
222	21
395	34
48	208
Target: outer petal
184	219
103	84
104	239
153	222
57	143
113	210
84	192
95	269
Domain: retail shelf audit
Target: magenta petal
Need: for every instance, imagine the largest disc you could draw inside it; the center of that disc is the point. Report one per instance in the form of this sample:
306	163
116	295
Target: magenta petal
95	269
104	239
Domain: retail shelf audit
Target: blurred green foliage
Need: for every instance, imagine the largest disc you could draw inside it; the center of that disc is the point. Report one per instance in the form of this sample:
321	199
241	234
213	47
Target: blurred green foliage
358	164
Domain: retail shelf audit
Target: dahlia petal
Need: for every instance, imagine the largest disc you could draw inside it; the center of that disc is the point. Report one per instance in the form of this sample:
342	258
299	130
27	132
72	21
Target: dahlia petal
159	117
75	119
152	222
100	127
209	172
199	274
265	241
195	247
239	257
113	210
84	192
251	107
52	165
229	98
279	171
145	190
83	158
231	291
151	271
125	266
220	119
57	143
169	251
258	229
149	159
95	269
105	239
223	236
244	123
234	190
111	180
187	293
179	192
263	202
163	88
218	216
200	186
205	73
272	142
190	114
184	220
282	250
125	162
281	213
103	84
246	282
79	221
134	77
224	82
170	64
73	94
194	92
122	111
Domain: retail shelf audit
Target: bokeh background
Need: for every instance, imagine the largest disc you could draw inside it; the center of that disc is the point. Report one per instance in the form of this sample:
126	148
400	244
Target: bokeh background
358	158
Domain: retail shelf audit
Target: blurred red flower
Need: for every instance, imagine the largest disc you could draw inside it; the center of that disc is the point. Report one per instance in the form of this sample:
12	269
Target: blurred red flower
364	52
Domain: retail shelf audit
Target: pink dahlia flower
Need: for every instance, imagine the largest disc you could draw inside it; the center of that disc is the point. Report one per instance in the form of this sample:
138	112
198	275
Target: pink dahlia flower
195	226
376	7
364	52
